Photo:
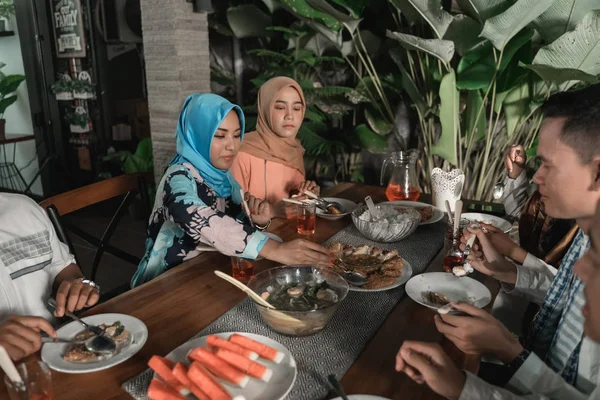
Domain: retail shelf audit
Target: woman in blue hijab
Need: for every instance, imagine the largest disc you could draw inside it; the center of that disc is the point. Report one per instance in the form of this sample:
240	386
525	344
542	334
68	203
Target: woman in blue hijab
198	201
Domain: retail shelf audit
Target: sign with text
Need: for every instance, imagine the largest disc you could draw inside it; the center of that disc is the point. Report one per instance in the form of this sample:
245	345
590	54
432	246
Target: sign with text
68	28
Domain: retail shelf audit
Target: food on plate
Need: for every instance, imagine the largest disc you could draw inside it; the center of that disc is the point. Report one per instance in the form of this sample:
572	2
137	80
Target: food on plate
246	365
219	366
381	267
264	351
204	380
435	298
79	354
462	270
159	390
426	213
306	296
217	342
163	367
180	372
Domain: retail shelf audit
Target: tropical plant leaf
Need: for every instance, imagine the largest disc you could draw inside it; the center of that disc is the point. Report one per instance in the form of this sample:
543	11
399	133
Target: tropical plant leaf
325	7
315	144
561	75
280	57
377	121
449	119
406	9
562	17
432	12
575	50
272	5
247	20
482	10
503	27
476	68
314	115
474	126
409	85
302	9
516	107
356	7
326	39
10	83
5	103
441	49
372	42
464	32
370	140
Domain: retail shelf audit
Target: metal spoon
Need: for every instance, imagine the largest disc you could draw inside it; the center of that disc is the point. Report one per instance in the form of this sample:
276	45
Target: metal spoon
101	343
498	190
335	384
354	278
92	344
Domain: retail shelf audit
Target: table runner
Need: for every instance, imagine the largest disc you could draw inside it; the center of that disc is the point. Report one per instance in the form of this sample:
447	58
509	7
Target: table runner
334	349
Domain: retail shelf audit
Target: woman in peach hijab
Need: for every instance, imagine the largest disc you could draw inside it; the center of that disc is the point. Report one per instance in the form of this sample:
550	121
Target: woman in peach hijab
270	163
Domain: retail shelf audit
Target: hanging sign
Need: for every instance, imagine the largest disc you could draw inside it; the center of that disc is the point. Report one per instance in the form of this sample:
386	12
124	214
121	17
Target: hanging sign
68	28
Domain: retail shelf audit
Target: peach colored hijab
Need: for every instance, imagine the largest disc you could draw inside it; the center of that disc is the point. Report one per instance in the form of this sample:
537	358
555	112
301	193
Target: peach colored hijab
264	143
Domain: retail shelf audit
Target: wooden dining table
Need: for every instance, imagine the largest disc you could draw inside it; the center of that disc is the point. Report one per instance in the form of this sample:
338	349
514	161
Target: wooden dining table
186	299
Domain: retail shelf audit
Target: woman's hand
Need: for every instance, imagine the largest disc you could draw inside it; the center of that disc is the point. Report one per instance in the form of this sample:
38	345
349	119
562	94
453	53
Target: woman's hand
20	336
310	186
428	363
260	210
297	251
486	259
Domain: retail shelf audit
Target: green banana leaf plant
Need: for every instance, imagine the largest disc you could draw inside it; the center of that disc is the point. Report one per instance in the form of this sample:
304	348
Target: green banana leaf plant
476	78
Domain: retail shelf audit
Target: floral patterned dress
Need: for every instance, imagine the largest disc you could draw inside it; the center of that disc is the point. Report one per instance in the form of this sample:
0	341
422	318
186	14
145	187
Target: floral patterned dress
187	215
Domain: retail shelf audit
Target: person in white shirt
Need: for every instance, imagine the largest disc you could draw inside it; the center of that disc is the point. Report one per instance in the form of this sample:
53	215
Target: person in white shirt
428	363
34	266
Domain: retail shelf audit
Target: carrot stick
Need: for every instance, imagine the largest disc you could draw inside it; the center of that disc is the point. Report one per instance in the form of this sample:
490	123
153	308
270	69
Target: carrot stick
180	372
262	350
162	366
219	367
245	365
203	379
215	341
159	390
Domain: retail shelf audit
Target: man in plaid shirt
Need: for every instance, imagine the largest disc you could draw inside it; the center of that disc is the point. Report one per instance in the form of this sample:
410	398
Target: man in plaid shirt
569	181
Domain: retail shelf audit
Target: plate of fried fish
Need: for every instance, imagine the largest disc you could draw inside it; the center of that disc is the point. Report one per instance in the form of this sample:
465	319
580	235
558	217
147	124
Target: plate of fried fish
383	269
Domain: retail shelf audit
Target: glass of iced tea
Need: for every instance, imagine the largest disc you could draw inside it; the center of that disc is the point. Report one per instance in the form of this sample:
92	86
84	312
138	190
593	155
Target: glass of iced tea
242	269
37	380
307	219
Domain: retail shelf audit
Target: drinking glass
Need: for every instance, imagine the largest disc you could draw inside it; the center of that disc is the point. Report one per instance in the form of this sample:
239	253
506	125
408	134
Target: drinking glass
307	219
37	380
242	269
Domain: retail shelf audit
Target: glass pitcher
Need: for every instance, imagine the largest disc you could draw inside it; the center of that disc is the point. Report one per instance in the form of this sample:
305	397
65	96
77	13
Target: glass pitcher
404	184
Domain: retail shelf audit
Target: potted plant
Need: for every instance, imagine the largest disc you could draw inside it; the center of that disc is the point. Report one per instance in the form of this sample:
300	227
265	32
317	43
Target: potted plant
79	120
7	10
82	89
63	88
8	86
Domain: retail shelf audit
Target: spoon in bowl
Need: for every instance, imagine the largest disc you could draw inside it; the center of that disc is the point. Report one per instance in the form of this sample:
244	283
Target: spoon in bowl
354	278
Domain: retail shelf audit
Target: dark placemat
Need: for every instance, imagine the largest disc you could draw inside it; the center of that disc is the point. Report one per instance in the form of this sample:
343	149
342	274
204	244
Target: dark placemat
334	349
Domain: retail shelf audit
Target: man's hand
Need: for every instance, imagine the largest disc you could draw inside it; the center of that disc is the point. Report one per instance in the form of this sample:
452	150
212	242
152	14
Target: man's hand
478	333
514	160
20	336
73	295
428	363
486	259
504	244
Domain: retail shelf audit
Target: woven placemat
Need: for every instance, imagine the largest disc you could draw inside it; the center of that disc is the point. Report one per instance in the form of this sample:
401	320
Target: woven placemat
334	349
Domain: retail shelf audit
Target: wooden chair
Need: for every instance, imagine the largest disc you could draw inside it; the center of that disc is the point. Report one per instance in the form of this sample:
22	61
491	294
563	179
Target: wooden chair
60	205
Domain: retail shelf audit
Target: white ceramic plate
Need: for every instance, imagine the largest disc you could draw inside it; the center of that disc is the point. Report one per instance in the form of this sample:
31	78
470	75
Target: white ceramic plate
282	381
407	272
438	214
348	206
456	289
498	222
52	353
363	397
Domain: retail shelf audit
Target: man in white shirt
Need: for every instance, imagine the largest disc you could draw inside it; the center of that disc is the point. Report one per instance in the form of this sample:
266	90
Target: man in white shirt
34	266
428	363
569	182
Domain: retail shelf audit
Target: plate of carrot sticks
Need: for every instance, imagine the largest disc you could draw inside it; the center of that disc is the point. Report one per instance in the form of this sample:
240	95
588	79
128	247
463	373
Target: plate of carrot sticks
224	366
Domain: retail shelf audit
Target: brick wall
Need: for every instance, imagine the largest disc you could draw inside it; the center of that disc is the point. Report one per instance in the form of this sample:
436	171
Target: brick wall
176	52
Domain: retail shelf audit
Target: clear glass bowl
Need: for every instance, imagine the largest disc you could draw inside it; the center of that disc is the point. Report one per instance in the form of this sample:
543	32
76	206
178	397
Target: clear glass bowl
383	231
298	323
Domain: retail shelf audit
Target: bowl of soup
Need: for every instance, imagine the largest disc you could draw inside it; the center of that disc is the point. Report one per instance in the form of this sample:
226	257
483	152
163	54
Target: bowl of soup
305	297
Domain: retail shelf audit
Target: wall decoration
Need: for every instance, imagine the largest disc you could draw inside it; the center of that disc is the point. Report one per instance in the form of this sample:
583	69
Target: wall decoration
68	28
